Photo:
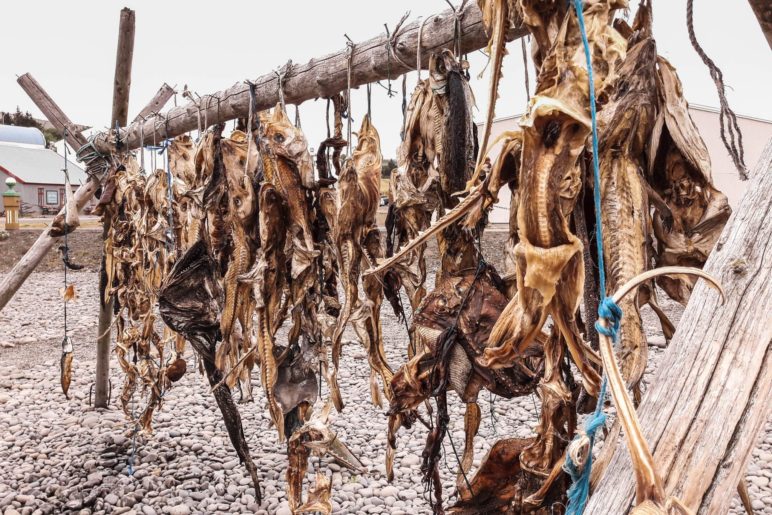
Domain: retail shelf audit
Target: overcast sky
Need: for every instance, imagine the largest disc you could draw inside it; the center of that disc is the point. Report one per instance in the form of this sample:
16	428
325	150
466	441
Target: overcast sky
69	47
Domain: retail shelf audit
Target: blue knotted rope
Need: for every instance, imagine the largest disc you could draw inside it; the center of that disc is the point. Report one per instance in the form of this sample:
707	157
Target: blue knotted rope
579	491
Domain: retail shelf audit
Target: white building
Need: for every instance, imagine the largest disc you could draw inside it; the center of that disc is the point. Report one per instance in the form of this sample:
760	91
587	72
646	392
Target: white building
38	170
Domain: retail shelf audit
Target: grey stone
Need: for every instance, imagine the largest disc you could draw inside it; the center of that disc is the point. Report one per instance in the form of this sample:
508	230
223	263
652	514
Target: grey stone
90	421
180	509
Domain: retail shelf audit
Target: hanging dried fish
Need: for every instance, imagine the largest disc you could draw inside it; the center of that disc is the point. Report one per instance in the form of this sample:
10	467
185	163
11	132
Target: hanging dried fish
627	120
315	438
69	220
188	303
268	280
239	165
65	366
358	187
691	211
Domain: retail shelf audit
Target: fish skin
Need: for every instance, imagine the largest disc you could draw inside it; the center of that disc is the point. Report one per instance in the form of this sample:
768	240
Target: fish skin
358	194
65	365
627	120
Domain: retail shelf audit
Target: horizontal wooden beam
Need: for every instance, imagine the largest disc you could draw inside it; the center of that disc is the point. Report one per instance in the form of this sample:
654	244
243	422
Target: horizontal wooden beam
704	410
318	78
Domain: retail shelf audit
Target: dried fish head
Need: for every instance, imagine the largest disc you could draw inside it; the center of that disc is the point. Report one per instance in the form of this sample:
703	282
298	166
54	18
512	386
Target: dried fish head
283	139
240	160
182	159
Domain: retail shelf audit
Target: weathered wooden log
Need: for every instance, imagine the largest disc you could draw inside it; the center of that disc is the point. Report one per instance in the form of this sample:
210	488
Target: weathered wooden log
704	410
123	60
373	60
763	11
156	103
51	111
121	90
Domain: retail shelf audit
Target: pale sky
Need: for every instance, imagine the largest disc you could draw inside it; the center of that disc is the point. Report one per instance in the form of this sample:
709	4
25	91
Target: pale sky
69	47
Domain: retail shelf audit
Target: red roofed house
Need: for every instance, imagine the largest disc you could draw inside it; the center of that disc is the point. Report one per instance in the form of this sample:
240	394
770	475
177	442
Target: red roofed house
38	170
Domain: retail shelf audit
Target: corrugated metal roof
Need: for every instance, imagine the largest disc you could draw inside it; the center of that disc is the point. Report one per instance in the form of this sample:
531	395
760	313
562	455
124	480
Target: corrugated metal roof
38	165
25	135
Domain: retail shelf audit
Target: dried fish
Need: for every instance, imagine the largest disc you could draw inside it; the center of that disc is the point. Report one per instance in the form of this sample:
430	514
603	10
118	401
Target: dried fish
65	366
358	187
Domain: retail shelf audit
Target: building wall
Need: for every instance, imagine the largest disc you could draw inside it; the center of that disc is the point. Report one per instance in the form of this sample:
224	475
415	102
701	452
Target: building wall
756	133
29	194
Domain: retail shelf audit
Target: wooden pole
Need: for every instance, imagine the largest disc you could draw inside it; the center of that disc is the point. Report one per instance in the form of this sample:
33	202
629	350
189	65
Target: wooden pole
123	58
121	89
763	11
156	103
319	77
704	410
104	337
51	111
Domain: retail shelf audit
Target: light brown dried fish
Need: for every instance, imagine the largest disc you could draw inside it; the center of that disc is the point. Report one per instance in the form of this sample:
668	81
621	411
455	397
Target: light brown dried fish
65	366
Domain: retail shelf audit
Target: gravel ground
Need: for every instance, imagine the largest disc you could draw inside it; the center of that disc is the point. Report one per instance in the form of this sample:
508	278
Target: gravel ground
58	455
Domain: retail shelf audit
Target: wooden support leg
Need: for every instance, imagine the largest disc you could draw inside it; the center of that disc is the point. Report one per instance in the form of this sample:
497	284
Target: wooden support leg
745	497
101	389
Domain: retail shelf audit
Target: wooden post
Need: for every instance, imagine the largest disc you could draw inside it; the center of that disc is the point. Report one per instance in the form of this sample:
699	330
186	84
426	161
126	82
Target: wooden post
704	410
319	77
51	111
123	59
156	103
121	89
763	11
104	337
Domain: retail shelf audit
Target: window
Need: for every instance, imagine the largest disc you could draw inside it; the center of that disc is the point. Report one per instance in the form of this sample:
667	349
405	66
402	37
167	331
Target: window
40	196
52	197
61	195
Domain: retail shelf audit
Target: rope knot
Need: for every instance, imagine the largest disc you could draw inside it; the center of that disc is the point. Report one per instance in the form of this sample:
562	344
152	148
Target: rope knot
612	313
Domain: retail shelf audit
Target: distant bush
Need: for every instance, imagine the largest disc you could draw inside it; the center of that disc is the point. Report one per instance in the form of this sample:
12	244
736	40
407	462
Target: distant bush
387	166
25	119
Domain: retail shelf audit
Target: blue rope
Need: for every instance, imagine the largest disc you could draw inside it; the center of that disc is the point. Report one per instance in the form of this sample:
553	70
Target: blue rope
579	491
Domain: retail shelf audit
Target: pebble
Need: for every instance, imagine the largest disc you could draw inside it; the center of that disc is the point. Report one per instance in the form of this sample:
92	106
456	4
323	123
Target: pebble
180	509
90	421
